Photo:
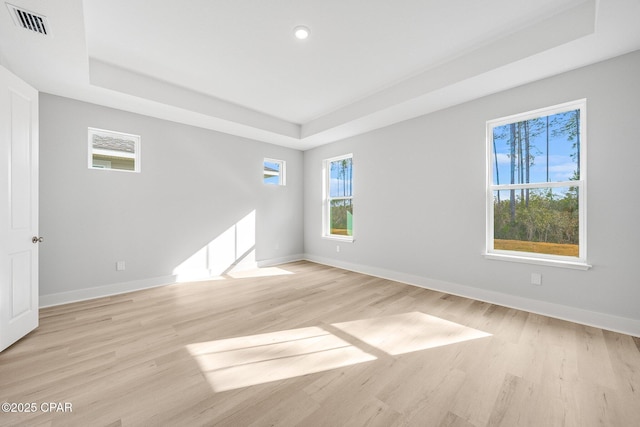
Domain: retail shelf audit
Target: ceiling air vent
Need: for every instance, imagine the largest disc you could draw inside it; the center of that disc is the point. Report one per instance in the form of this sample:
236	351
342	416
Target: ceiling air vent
29	20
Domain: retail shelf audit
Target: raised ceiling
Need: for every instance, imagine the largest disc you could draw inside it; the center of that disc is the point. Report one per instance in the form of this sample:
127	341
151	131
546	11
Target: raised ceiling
235	66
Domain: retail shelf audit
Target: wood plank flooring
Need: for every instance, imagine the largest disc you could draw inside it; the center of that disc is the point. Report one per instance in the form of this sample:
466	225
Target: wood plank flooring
319	346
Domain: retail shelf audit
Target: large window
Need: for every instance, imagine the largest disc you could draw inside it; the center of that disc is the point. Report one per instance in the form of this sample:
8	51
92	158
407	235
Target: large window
338	198
536	185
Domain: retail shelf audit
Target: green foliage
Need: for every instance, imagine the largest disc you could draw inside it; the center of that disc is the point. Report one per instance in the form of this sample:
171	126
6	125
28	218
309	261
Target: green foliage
545	218
339	216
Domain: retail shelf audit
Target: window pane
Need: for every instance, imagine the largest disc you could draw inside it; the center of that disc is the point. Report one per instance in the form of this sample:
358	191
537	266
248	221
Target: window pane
542	149
113	150
340	178
341	217
543	221
272	172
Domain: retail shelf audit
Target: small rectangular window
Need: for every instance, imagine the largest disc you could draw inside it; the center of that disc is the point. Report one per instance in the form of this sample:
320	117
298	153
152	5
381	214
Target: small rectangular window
536	184
114	150
338	198
274	172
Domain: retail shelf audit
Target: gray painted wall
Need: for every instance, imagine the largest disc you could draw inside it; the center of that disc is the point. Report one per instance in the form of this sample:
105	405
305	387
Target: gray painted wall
195	184
419	189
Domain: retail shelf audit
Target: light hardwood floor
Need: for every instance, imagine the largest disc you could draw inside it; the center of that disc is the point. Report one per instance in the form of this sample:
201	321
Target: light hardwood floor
318	347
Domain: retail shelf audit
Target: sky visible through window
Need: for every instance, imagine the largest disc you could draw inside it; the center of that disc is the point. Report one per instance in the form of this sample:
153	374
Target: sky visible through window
552	150
272	172
341	178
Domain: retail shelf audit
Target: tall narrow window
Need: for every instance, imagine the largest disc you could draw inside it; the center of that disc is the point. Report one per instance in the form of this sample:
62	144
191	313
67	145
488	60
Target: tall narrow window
274	172
114	150
338	198
536	184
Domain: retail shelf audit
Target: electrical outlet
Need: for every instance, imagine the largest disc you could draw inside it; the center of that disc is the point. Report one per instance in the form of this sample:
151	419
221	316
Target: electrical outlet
536	279
120	266
337	248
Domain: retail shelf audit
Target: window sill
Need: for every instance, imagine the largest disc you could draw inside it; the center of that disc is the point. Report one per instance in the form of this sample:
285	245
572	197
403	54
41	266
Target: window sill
574	265
346	239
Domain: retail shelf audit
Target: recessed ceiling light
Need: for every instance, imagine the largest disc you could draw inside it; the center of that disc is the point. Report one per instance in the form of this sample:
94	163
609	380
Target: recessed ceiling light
301	32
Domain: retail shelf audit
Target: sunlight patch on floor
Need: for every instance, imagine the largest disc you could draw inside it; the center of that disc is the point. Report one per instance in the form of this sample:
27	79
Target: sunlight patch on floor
233	363
408	332
245	361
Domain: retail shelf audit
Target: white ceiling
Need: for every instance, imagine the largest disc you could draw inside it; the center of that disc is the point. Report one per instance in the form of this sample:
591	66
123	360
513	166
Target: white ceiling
234	65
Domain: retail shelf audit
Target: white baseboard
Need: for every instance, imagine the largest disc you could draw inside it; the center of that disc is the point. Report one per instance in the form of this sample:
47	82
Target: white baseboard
281	260
104	291
577	315
136	285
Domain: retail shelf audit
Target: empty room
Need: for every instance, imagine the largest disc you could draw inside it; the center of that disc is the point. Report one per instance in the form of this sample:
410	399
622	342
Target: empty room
319	213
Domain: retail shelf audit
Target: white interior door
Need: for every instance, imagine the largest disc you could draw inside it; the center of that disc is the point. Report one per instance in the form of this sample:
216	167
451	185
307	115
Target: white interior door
18	208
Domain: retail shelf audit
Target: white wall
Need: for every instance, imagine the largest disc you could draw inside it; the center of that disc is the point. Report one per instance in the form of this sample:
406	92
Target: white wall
419	212
195	185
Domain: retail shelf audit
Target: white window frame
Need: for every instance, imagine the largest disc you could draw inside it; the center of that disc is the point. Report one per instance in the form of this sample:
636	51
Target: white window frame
101	164
282	174
579	262
326	203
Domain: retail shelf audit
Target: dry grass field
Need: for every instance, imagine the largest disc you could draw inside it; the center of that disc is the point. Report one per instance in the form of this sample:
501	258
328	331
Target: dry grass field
536	247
